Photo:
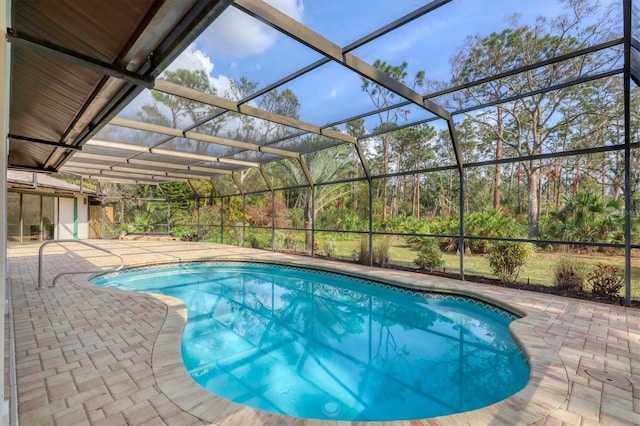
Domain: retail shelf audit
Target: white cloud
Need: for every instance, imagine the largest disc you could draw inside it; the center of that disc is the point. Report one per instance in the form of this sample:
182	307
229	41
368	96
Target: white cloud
292	8
192	59
221	83
236	35
332	94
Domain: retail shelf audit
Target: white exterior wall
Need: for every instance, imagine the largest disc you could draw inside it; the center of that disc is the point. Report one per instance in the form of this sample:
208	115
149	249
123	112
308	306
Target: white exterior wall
83	217
65	218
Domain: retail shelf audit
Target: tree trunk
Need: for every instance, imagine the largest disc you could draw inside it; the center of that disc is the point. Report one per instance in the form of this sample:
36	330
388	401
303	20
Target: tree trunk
417	196
308	224
385	170
534	181
354	189
394	197
497	178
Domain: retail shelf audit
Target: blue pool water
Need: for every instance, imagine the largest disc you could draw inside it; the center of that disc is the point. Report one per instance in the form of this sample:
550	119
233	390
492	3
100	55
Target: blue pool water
322	345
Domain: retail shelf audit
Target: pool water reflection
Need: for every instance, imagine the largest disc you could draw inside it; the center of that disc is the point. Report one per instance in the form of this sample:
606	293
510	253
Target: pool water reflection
322	345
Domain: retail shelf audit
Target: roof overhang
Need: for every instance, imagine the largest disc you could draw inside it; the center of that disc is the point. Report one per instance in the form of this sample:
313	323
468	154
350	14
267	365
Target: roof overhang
76	64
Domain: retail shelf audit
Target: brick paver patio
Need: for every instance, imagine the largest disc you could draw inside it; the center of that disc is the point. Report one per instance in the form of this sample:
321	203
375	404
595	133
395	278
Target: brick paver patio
93	356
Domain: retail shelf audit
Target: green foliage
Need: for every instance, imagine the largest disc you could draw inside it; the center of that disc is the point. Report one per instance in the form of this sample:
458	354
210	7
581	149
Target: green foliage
185	234
209	215
569	276
491	223
506	258
126	227
143	222
261	240
329	248
587	217
605	280
362	255
430	256
290	241
349	222
380	251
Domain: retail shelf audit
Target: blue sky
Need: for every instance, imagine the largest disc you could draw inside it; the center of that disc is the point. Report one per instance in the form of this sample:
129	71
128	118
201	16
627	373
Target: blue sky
239	46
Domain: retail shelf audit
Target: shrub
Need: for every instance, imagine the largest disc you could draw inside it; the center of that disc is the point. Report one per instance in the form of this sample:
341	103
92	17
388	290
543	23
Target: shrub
380	252
569	276
605	280
362	255
430	256
184	234
491	222
329	248
254	241
506	258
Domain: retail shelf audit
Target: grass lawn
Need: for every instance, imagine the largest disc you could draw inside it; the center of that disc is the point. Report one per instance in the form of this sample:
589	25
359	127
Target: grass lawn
539	270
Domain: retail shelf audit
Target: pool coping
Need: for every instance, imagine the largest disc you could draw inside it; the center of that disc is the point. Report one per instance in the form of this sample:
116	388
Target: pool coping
547	389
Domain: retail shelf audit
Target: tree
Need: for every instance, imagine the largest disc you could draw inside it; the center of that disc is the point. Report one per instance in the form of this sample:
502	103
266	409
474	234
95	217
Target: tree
413	149
530	124
388	118
355	128
178	107
325	166
482	57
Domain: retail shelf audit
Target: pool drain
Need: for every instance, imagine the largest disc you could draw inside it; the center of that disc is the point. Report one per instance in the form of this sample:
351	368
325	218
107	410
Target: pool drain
330	409
613	379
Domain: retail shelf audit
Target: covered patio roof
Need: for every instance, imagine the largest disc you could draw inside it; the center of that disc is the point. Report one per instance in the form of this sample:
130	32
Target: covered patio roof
75	65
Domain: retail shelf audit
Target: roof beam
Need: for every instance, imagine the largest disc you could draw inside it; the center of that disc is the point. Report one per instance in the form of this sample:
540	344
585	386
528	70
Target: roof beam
147	127
283	23
423	10
50	49
110	173
567	56
99	157
152	163
170	88
166	130
124	171
43	142
80	164
118	145
133	179
167	152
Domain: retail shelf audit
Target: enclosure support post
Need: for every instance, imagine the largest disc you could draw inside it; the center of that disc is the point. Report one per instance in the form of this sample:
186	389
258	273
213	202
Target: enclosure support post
244	218
222	220
461	224
367	172
103	218
198	218
627	152
370	181
460	164
273	220
11	399
313	220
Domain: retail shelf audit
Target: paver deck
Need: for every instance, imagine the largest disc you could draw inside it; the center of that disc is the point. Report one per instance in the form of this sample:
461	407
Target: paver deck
94	356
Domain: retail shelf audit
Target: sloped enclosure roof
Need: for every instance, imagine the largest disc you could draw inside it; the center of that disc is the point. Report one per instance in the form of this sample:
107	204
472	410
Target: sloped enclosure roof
146	91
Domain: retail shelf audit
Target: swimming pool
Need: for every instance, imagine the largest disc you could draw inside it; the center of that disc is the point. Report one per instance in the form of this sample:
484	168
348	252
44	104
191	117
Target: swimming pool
321	345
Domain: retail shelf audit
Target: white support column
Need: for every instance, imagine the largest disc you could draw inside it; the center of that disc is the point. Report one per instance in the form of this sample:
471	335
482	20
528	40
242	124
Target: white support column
4	152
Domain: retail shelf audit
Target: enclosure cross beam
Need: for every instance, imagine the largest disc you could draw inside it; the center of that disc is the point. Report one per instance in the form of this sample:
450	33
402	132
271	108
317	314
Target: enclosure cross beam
288	26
